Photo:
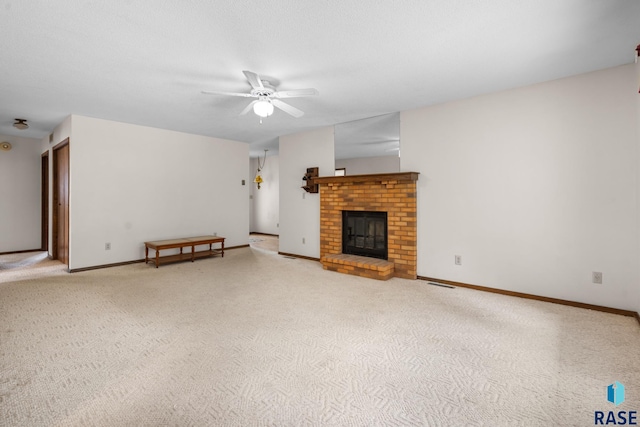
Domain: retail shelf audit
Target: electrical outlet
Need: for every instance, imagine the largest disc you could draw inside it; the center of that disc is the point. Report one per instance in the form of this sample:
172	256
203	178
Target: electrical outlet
107	246
303	195
303	241
215	234
596	277
458	259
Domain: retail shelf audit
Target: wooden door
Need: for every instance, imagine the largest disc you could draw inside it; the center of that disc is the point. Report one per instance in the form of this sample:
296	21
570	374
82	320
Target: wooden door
61	202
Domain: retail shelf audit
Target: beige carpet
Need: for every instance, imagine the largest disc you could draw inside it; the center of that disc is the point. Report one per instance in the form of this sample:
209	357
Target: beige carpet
265	242
29	265
255	338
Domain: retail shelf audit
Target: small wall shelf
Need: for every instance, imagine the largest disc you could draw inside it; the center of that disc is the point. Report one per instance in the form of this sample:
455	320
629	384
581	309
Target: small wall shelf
308	180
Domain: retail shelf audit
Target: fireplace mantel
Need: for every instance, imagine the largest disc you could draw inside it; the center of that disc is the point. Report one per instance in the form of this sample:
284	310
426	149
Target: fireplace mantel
376	177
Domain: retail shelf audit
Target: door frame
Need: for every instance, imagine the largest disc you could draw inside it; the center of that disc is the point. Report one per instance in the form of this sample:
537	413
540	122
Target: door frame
55	199
44	203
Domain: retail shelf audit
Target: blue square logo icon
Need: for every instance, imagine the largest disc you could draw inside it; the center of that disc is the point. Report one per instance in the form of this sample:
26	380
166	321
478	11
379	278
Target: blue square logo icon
615	393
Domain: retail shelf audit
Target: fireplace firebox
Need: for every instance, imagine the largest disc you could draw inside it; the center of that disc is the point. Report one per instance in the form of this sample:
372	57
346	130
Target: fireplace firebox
364	233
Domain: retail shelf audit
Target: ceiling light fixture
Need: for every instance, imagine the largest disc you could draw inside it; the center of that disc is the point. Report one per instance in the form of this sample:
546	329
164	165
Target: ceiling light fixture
21	124
263	107
258	179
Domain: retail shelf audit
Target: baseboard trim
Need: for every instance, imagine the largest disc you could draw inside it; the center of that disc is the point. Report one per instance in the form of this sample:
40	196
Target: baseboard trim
621	312
22	252
299	256
236	247
98	267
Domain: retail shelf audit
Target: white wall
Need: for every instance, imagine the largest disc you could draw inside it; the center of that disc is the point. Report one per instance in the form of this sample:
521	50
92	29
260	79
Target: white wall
265	203
130	184
20	193
60	133
534	187
369	165
300	211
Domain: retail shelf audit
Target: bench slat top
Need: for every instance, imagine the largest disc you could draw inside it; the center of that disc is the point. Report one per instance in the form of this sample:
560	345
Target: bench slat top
205	238
185	241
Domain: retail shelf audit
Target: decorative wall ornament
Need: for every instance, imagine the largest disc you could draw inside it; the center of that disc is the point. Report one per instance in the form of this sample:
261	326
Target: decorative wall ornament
309	186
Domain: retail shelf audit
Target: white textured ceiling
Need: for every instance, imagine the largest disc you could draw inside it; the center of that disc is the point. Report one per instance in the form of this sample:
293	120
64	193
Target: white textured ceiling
146	61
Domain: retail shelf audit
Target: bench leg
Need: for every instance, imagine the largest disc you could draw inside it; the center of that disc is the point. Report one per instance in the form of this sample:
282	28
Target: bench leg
146	254
157	258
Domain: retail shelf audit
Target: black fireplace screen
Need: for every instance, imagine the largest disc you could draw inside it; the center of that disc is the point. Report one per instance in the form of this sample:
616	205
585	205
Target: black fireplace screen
364	233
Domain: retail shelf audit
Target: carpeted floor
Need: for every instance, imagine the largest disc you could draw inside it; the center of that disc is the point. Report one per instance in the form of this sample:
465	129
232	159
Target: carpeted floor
265	242
29	265
255	338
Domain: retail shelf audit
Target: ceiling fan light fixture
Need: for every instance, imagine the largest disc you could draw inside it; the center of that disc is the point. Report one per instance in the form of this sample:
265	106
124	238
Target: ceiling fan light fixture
21	124
263	108
268	97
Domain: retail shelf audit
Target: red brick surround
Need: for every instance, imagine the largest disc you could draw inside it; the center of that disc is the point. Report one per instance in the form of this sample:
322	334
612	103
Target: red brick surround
392	193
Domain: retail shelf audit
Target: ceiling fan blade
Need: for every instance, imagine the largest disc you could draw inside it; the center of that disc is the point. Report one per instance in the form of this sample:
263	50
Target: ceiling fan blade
296	93
254	79
248	108
215	92
287	108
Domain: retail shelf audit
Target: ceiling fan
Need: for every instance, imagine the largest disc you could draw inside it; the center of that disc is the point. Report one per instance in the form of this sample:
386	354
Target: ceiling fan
267	96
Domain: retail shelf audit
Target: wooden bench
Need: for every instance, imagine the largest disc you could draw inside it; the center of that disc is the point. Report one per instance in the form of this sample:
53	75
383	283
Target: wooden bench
192	242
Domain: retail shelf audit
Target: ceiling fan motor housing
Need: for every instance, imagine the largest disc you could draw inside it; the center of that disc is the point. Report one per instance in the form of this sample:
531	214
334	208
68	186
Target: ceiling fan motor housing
266	91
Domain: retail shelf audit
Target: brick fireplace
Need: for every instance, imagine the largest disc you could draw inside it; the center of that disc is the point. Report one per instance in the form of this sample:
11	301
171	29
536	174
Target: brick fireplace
393	193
